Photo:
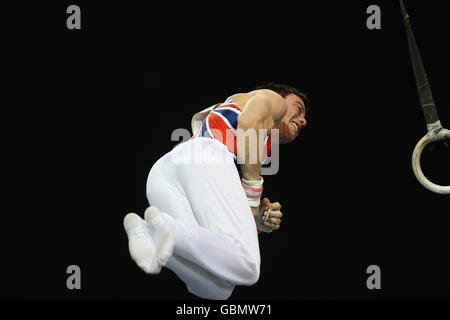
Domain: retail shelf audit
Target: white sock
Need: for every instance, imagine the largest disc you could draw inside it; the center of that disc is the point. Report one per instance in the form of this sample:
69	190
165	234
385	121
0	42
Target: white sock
162	234
140	244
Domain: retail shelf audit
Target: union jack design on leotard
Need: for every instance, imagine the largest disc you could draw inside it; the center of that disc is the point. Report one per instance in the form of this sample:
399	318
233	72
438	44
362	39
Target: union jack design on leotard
221	124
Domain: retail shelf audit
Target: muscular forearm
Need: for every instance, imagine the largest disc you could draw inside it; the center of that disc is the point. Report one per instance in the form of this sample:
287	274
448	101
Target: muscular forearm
251	166
253	125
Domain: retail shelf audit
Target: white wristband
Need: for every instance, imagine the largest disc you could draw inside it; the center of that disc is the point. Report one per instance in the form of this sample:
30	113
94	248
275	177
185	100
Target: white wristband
253	190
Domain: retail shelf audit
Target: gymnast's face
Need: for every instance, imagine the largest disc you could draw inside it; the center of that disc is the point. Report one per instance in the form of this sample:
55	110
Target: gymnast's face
294	119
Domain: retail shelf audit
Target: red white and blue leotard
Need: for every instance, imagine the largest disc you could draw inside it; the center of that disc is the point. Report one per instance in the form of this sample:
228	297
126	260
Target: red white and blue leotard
221	124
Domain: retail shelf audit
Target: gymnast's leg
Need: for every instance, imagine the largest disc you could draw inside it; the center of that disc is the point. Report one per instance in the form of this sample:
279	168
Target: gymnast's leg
216	244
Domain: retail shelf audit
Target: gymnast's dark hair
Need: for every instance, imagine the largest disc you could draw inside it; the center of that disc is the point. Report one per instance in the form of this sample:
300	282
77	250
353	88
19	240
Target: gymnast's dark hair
284	90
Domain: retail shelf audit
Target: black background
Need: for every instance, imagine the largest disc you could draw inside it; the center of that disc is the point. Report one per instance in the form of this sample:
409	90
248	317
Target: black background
89	111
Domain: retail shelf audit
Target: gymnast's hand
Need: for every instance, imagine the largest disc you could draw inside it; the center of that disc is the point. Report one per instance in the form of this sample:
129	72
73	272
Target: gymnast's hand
269	217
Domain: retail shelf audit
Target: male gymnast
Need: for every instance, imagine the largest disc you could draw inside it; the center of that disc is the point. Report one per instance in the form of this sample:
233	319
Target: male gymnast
205	210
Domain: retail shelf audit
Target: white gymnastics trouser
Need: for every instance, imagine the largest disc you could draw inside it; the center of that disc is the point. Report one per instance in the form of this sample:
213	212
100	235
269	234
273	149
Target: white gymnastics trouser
198	190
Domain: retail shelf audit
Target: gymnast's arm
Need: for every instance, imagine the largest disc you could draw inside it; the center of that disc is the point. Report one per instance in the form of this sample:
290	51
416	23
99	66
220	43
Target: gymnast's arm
263	110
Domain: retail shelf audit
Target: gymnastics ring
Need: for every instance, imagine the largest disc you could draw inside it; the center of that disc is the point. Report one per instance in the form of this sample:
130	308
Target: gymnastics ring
417	169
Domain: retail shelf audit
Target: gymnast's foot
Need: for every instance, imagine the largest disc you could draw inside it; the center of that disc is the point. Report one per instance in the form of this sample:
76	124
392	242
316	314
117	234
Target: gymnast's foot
162	234
141	245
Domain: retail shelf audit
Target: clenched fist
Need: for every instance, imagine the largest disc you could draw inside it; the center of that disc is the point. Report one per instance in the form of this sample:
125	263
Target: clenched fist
269	216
